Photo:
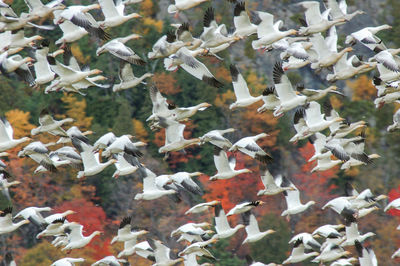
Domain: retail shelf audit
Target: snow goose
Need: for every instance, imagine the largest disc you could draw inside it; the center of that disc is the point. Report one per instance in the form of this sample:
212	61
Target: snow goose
199	249
19	40
342	206
367	37
79	16
104	141
75	237
214	35
388	59
174	140
308	241
243	97
252	229
126	164
202	207
331	252
339	10
183	34
225	167
300	125
387	98
352	235
287	96
33	214
366	256
6	224
56	160
292	197
248	146
6	136
222	226
394	204
327	55
123	144
37	151
272	184
48	124
186	59
117	48
67	261
315	21
37	8
4	185
315	120
268	32
344	69
271	101
298	254
58	216
90	160
166	46
183	5
216	138
241	20
70	31
185	180
114	13
244	207
150	190
125	232
74	132
54	228
339	129
314	95
69	153
142	249
161	253
324	162
41	66
109	260
192	232
127	78
328	231
17	64
396	122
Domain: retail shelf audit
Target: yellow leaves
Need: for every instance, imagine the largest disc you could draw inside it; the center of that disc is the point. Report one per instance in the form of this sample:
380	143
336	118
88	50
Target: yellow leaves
19	120
157	24
362	88
146	8
353	171
140	131
77	110
222	99
76	51
336	102
166	83
256	84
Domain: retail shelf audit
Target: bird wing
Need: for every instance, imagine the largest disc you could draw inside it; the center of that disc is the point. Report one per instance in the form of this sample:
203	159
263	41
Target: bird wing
252	228
108	8
125	72
161	252
336	10
267	24
6	131
221	222
319	44
239	84
75	233
174	132
267	179
149	182
160	104
313	13
313	114
221	160
292	198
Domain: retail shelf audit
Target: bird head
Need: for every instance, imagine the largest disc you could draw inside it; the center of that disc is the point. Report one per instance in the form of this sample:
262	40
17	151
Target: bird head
270	231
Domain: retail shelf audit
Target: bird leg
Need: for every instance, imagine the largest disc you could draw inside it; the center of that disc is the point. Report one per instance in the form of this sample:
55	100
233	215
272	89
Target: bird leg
176	15
288	218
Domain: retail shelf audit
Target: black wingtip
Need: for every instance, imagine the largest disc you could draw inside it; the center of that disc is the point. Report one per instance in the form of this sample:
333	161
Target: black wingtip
234	72
212	81
125	221
208	17
239	8
278	72
268	91
264	158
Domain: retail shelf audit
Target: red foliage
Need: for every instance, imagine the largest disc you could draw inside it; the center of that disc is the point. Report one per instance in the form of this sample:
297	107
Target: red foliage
394	194
314	185
93	218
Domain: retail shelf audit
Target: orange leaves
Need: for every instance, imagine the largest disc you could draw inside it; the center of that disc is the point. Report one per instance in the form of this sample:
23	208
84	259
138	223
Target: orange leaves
362	88
140	131
223	99
166	83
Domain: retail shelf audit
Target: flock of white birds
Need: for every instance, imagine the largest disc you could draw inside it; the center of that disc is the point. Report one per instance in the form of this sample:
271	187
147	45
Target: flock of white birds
314	44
